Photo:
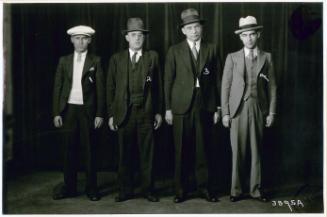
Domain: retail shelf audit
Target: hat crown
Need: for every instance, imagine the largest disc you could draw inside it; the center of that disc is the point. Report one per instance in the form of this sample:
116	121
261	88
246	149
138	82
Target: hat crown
190	12
135	23
81	30
249	20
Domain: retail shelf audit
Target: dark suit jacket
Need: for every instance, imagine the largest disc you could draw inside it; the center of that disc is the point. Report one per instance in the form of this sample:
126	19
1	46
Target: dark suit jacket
233	84
180	78
117	85
92	85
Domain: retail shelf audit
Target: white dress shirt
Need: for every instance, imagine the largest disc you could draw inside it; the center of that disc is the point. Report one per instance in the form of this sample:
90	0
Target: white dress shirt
197	47
138	55
247	51
76	93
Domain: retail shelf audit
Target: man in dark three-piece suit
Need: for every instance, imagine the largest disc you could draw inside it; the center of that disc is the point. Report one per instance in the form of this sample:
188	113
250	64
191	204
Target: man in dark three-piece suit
134	103
78	108
192	85
248	98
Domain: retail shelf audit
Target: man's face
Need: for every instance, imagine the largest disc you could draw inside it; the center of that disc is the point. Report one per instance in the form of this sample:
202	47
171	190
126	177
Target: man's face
249	38
135	40
80	42
192	31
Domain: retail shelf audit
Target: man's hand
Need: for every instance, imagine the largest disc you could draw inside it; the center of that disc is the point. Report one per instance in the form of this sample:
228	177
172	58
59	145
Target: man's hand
270	120
216	117
169	117
57	121
157	121
98	122
111	124
226	121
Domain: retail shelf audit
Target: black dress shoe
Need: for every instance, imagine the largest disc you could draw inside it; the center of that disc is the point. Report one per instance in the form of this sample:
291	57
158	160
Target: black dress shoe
94	197
234	198
179	199
122	197
262	198
151	197
210	197
62	192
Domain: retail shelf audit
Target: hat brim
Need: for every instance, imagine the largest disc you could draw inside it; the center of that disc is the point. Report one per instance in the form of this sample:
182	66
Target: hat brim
145	31
247	29
89	35
201	21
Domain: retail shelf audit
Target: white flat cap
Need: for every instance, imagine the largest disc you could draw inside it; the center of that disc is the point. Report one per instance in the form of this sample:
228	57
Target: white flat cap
81	30
248	23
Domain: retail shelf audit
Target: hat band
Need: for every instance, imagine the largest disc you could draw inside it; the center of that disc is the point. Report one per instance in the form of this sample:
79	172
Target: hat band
248	26
191	18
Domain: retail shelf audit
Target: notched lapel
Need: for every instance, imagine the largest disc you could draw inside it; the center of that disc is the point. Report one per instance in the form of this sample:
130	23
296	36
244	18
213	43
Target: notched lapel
203	56
145	66
261	61
185	55
240	63
87	64
70	66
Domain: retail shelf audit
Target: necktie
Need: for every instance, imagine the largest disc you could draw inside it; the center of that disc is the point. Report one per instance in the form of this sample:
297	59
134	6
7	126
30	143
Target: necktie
251	55
79	57
134	58
194	51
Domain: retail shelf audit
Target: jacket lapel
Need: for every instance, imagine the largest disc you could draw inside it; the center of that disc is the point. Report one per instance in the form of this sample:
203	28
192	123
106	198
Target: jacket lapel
185	56
70	66
124	67
261	58
240	63
145	66
203	56
87	64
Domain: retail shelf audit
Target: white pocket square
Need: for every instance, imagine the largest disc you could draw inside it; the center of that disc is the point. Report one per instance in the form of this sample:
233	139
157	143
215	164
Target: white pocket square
91	80
91	69
264	76
148	79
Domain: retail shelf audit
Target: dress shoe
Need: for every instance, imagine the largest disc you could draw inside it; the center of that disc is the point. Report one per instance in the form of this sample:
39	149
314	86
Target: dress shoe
61	192
179	199
151	197
93	197
122	197
262	198
234	198
209	196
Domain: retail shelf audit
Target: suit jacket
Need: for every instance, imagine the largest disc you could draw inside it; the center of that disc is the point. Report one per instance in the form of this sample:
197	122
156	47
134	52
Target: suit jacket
233	83
118	96
180	78
92	85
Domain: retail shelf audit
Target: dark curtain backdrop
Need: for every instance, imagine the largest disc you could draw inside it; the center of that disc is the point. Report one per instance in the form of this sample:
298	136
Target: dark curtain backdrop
293	148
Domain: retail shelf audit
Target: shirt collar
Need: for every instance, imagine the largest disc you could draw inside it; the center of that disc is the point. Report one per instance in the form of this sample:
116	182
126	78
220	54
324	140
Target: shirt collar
131	52
247	51
197	44
83	54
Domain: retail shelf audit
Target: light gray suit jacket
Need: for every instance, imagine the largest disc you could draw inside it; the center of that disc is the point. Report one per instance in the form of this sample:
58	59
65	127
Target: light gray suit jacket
233	83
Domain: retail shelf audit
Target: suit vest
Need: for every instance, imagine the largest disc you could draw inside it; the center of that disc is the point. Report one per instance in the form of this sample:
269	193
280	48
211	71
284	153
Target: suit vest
135	83
250	78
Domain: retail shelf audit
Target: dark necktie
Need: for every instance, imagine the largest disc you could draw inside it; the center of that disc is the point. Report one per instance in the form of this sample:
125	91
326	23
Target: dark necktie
134	59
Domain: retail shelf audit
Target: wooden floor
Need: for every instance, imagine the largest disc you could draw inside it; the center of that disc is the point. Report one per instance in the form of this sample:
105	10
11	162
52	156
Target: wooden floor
31	194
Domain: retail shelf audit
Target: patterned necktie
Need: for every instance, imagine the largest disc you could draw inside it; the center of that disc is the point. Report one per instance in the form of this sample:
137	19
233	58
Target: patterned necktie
79	57
194	51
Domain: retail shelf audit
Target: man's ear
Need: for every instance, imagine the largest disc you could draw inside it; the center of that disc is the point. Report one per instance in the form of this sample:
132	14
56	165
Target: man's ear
259	34
127	37
90	40
183	30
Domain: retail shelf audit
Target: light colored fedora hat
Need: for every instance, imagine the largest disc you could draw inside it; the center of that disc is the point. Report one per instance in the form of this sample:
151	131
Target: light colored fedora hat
81	30
248	23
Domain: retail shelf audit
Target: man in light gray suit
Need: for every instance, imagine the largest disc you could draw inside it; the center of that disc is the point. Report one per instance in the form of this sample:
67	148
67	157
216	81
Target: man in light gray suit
248	99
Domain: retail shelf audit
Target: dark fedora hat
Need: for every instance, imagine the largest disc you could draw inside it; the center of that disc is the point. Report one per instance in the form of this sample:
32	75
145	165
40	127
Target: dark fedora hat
135	24
190	15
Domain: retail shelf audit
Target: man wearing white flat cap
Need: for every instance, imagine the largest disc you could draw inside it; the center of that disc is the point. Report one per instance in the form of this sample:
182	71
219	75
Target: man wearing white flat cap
248	99
78	108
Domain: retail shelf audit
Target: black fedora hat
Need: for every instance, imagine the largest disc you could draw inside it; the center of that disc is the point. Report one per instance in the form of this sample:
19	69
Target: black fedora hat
135	24
190	15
